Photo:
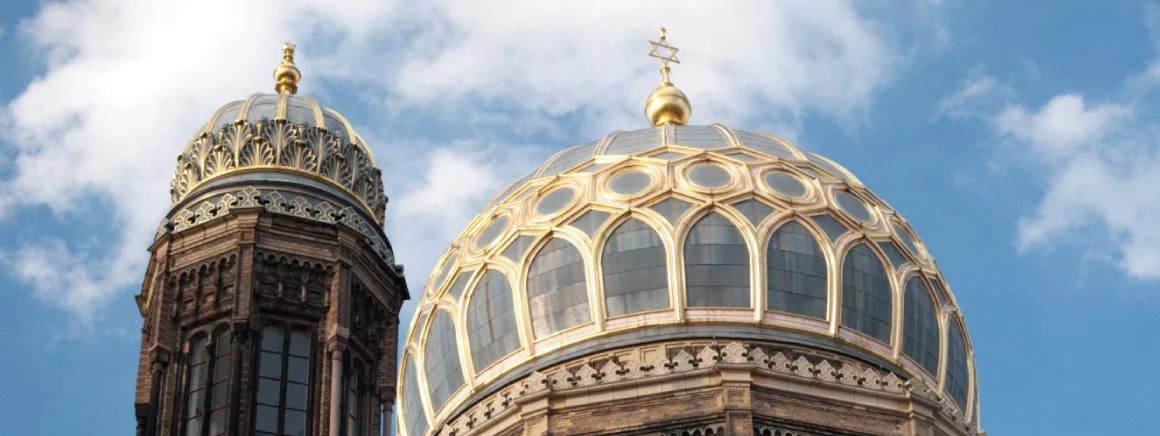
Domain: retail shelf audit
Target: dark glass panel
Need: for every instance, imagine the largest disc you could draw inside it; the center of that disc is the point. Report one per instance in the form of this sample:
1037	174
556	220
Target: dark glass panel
704	137
413	415
630	143
268	391
892	253
764	144
294	423
492	231
555	201
516	250
635	272
296	395
852	205
491	320
217	422
300	343
461	280
716	264
796	272
557	289
906	239
630	182
866	297
709	176
590	221
831	226
957	377
266	419
444	375
671	209
272	339
920	334
785	184
270	365
753	210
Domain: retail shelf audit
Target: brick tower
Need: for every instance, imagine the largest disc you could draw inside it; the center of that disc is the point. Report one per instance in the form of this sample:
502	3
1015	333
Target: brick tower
271	299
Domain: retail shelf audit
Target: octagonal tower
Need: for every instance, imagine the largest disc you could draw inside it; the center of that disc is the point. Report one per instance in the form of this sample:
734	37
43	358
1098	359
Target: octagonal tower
272	295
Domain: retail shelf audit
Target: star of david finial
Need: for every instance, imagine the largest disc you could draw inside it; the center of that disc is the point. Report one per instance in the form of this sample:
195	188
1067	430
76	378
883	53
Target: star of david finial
655	51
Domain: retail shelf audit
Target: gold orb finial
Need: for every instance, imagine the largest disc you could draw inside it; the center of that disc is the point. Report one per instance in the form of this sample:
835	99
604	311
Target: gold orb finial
666	104
286	74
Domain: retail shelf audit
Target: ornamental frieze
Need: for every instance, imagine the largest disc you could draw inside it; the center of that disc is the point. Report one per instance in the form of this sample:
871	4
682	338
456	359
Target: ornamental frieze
279	145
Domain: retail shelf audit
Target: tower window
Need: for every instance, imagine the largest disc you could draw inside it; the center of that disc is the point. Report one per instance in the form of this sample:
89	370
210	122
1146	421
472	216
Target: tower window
354	404
920	335
283	382
209	376
635	271
557	289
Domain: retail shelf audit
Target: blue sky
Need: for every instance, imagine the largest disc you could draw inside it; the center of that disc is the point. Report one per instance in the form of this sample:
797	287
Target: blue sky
1019	139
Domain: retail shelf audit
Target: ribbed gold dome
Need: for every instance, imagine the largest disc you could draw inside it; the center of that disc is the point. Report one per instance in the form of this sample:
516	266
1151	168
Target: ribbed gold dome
677	233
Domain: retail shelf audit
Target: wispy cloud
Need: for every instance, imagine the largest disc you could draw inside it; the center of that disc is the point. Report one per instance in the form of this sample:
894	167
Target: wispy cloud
125	83
1099	163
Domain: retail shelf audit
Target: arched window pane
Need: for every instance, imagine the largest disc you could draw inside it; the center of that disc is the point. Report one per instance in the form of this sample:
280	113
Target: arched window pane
920	335
219	392
353	405
866	303
491	320
413	415
557	289
716	264
956	384
441	360
198	373
795	272
635	273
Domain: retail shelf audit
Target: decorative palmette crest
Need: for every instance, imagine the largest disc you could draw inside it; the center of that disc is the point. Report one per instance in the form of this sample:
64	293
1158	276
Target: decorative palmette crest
241	145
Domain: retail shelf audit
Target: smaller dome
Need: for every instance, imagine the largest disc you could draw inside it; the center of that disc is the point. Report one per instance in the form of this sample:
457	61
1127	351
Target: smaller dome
281	133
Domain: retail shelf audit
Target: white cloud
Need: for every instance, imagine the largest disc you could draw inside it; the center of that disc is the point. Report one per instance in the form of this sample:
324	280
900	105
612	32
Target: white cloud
125	82
1100	166
1062	126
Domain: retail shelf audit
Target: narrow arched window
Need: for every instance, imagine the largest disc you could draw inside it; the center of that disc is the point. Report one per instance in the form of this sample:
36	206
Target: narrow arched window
866	296
716	264
414	417
635	273
557	289
491	320
283	381
354	404
920	335
208	394
795	272
957	378
441	360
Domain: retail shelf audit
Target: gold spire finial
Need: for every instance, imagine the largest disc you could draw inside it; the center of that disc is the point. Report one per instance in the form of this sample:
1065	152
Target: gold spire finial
666	104
286	74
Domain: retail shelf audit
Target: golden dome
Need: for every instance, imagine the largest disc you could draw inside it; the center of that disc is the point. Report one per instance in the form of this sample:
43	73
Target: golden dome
677	233
286	154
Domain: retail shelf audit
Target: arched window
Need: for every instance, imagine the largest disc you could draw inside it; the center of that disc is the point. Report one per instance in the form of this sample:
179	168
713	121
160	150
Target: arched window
866	301
716	264
354	404
557	289
208	394
283	381
920	335
635	275
795	272
441	360
957	377
491	320
414	417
